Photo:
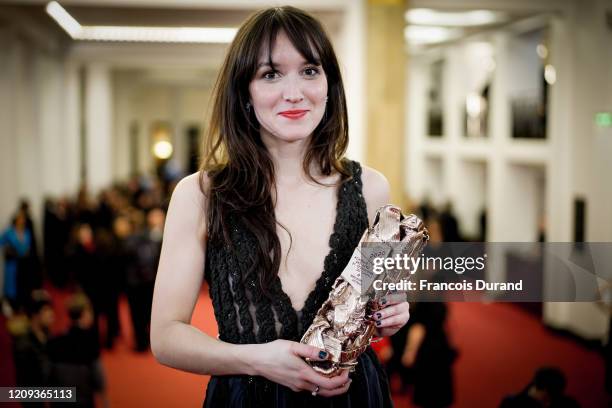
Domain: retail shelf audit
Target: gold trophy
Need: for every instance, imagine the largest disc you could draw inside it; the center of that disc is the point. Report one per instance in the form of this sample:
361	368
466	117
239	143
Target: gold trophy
341	326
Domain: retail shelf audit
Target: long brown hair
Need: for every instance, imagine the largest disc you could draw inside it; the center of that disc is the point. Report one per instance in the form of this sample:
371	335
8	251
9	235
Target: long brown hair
238	165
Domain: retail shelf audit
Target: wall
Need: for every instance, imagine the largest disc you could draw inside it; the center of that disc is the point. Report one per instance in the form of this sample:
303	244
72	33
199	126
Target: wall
525	178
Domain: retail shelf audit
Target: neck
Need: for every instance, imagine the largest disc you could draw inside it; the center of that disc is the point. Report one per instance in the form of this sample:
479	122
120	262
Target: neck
287	158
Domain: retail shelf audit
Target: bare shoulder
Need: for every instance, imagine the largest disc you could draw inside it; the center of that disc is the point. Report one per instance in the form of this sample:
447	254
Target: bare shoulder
193	187
189	201
376	190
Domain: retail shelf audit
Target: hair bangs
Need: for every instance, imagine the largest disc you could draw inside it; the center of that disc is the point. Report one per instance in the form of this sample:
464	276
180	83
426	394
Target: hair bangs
300	33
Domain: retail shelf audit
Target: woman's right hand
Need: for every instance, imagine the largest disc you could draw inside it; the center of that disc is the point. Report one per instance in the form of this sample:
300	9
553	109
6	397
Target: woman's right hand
282	361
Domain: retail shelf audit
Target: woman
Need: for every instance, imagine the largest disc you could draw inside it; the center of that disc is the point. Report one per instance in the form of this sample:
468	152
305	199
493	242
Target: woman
17	243
256	223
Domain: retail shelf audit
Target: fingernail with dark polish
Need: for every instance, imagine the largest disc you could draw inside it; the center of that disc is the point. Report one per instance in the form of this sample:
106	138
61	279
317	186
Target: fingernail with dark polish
322	354
378	315
378	323
384	302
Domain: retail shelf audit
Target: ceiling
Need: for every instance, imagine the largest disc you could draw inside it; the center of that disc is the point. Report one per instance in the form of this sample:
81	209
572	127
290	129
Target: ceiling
28	19
151	13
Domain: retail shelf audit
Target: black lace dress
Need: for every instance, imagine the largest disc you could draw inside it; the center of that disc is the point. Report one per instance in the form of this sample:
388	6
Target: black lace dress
245	316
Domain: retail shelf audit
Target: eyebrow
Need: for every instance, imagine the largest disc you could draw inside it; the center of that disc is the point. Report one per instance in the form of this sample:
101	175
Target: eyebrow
273	65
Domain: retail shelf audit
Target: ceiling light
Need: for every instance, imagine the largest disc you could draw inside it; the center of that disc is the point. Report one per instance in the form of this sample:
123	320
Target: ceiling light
162	149
158	34
138	34
421	16
63	18
429	35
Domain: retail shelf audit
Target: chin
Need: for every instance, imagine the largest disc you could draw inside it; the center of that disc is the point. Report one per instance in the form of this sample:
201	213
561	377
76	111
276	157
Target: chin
296	137
293	135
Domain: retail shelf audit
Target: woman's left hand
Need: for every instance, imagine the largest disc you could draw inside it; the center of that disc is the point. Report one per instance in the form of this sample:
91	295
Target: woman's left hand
391	317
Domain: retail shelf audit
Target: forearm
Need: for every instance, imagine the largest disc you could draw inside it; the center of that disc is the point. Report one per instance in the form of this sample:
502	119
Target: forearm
185	347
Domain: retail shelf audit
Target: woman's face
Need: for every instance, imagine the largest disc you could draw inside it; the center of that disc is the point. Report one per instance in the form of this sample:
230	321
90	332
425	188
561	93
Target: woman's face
288	99
20	220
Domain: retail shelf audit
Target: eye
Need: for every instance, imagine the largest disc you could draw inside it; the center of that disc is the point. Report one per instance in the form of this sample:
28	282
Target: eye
269	75
311	71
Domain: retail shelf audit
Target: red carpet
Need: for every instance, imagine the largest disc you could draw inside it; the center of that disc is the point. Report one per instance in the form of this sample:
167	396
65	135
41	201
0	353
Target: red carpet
500	345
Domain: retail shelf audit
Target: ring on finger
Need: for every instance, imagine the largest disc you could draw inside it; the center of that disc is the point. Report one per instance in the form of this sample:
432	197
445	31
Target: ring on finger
315	391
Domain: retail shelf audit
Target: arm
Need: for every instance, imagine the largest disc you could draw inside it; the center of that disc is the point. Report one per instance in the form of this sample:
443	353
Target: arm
174	341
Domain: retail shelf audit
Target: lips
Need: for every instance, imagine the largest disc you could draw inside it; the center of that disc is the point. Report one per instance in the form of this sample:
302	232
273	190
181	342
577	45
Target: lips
294	114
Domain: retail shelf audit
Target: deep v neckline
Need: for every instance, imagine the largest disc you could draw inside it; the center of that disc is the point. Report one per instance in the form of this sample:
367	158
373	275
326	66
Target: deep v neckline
284	297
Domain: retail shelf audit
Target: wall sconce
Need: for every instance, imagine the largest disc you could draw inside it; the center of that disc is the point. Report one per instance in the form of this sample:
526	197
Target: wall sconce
162	146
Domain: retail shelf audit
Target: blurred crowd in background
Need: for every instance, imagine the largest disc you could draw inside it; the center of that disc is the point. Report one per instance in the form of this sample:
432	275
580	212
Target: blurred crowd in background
96	250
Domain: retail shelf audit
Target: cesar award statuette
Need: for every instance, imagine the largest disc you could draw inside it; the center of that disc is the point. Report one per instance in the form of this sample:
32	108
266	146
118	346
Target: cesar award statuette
341	326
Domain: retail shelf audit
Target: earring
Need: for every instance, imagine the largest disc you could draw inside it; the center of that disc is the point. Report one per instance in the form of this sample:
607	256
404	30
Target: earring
248	106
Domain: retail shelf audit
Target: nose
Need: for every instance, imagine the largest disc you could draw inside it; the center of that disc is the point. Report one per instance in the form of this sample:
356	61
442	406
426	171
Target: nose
292	92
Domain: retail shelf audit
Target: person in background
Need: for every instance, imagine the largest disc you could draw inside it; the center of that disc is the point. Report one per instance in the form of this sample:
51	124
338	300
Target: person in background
24	207
110	271
17	243
84	207
32	277
428	353
83	258
87	267
115	258
75	356
546	390
482	225
425	209
104	212
398	341
56	234
143	257
30	342
450	224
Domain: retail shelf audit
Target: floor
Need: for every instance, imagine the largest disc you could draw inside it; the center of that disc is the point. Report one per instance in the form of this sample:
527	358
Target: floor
500	345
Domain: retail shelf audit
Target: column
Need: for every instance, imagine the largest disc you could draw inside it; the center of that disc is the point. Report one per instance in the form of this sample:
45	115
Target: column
385	91
351	55
8	91
49	84
98	127
71	160
121	126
